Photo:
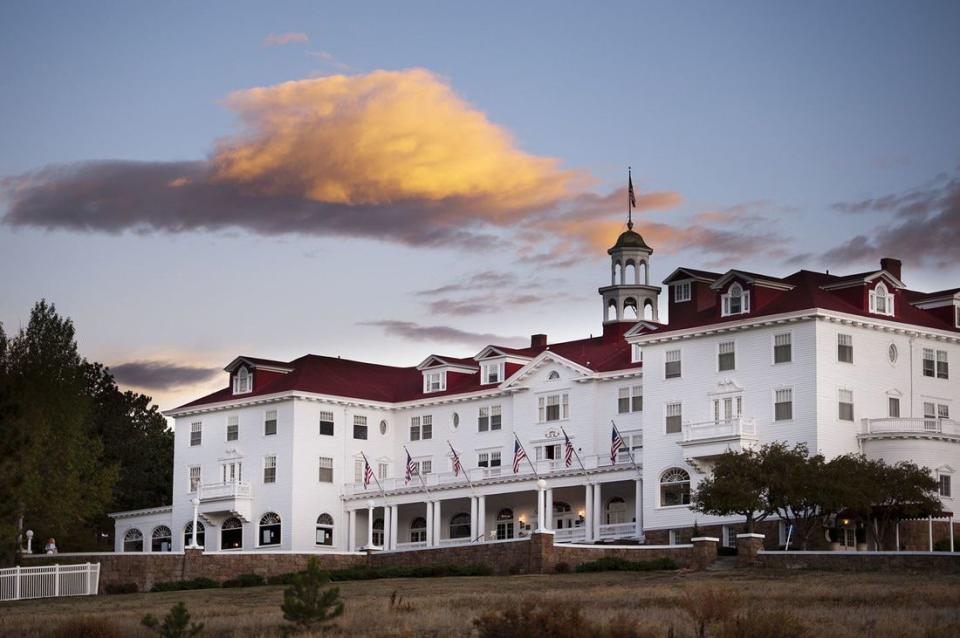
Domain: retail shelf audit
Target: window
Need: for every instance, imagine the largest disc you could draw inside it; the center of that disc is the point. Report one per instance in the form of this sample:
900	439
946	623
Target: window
623	401
674	418
133	541
415	428
935	364
728	537
233	428
727	408
434	381
231	534
846	405
196	433
418	530
881	301
548	452
382	470
942	371
326	469
377	539
423	467
383	427
488	459
489	418
844	348
194	477
270	423
553	376
630	399
736	301
929	363
493	372
242	381
636	353
359	427
681	292
421	427
673	537
671	366
674	487
783	348
188	534
270	469
270	529
893	407
504	524
324	529
162	539
783	404
326	423
358	470
555	407
726	357
945	485
892	353
460	526
231	471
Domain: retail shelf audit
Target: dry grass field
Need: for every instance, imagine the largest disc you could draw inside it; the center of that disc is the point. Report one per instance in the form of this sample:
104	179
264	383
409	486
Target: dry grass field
879	605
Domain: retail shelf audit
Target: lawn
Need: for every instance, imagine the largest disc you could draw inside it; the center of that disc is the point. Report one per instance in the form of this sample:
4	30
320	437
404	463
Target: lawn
880	605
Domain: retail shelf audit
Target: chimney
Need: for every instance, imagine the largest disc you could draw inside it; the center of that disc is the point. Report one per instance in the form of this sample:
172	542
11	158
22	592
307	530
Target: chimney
891	265
538	341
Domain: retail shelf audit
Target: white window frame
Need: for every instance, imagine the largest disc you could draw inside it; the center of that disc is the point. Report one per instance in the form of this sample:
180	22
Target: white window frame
845	340
727	303
434	381
493	372
845	397
243	381
360	420
941	360
788	345
682	291
325	463
193	482
233	421
668	408
793	412
326	416
944	475
731	346
878	294
196	428
636	353
275	419
893	401
562	403
673	356
269	463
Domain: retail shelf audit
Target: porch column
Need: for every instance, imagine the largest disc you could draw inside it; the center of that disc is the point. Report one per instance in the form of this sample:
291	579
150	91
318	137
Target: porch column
897	537
950	522
548	506
473	518
370	505
352	531
541	499
638	508
597	510
588	506
193	536
481	518
436	523
430	540
930	531
395	525
387	525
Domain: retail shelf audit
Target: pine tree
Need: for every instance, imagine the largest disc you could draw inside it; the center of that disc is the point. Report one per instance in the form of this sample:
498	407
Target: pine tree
306	603
176	624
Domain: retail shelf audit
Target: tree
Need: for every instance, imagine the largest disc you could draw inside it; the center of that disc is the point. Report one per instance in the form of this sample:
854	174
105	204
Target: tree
902	491
176	624
794	481
306	604
736	486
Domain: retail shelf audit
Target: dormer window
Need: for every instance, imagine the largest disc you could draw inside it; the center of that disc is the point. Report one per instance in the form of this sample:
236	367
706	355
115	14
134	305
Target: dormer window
681	292
881	301
242	381
636	354
492	372
956	313
434	381
736	301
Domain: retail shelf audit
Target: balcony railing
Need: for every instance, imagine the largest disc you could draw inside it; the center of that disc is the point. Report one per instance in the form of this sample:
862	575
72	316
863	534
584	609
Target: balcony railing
570	535
618	530
225	490
727	428
917	426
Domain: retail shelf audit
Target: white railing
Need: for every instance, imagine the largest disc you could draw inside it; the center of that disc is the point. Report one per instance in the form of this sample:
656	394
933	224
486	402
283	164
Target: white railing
454	541
570	535
739	426
618	530
49	581
228	489
412	545
910	426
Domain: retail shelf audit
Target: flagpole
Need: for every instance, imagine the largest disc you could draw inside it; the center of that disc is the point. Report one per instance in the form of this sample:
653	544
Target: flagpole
629	451
457	458
529	460
629	198
419	476
575	453
380	487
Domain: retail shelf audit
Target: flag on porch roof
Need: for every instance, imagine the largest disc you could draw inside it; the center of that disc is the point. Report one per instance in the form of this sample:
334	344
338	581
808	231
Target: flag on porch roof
411	469
567	451
518	454
456	462
615	444
367	473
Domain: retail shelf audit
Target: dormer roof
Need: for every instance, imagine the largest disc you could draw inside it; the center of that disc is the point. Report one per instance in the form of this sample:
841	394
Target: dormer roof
864	278
683	274
258	364
751	278
456	364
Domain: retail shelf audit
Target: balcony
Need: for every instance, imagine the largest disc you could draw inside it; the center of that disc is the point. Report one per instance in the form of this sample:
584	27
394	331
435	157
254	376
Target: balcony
703	442
222	500
910	428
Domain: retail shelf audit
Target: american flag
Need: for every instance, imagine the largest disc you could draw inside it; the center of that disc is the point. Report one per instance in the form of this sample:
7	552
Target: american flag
518	455
615	444
633	198
411	469
456	462
567	450
367	473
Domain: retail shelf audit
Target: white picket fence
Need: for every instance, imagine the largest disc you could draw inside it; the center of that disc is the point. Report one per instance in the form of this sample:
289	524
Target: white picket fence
49	581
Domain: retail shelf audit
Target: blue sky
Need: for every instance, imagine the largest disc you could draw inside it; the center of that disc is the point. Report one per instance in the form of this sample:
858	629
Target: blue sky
749	118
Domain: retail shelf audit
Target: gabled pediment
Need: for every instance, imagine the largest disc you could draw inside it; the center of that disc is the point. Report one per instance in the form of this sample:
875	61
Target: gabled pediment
749	278
258	364
493	352
642	328
690	274
436	361
542	360
862	280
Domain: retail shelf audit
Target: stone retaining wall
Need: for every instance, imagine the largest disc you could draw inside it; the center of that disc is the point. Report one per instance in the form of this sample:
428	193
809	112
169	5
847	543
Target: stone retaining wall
942	562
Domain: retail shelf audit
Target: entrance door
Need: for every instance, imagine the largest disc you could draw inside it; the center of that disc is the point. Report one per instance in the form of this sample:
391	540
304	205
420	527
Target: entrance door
504	524
563	516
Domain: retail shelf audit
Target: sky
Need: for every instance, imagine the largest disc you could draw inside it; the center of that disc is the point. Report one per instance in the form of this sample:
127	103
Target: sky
194	181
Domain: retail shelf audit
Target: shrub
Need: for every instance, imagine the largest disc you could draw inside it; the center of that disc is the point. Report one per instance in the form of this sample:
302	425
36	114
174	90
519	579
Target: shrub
563	568
760	623
708	605
398	604
87	627
306	604
421	571
176	624
183	585
617	564
532	620
281	579
121	588
245	580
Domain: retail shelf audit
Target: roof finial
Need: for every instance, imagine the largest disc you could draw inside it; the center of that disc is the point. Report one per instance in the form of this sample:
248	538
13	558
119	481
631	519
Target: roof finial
631	199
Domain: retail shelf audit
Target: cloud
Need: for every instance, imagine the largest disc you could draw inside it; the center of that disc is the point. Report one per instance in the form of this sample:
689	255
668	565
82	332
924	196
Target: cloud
416	332
327	58
485	304
283	39
924	230
160	375
389	155
485	280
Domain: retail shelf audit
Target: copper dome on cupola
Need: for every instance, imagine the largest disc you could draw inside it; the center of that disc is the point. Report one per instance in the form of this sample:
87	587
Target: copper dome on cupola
630	239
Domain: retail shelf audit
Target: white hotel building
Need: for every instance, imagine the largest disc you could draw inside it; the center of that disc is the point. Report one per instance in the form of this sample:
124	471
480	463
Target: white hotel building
842	363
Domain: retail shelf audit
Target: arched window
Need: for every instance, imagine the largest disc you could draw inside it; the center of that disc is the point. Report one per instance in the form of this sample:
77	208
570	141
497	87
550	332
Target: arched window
418	530
736	301
133	540
162	539
188	534
270	529
242	381
231	534
553	376
630	308
612	310
377	539
881	301
460	526
504	524
642	275
630	273
324	529
616	511
617	273
674	487
648	310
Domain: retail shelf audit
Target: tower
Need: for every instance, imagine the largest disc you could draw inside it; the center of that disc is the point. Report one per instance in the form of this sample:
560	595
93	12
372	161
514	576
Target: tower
629	297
